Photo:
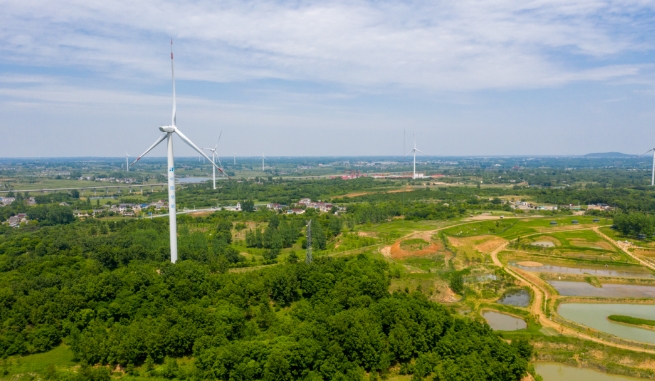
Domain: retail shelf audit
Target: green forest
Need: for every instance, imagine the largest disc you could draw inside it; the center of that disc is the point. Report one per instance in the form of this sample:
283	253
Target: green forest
109	292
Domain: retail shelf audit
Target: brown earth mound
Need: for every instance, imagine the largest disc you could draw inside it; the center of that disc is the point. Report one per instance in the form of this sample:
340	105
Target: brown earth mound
398	253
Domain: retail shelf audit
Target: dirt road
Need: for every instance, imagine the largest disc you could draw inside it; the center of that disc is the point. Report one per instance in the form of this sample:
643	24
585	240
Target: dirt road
542	298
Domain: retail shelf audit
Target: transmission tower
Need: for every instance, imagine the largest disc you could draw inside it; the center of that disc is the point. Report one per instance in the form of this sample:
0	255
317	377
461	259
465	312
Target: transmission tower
308	257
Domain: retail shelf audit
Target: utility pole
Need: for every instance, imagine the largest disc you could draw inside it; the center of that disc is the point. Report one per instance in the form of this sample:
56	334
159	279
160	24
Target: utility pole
308	257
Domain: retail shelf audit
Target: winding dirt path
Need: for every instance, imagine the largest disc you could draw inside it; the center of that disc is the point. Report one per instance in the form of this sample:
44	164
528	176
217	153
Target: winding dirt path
623	248
542	298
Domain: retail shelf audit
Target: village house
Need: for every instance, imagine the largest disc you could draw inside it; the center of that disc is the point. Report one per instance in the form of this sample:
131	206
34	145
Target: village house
275	207
4	201
15	221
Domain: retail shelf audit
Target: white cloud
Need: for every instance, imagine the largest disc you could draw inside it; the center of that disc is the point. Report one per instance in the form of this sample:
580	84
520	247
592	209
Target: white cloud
461	45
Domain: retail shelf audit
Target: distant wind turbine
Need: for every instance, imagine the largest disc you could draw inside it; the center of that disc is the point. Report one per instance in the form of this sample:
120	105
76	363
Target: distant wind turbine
414	151
652	176
127	161
214	156
235	158
168	134
263	157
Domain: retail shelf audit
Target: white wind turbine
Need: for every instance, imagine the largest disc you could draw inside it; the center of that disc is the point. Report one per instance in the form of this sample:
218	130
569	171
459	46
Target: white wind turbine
127	161
214	156
263	157
414	151
652	176
168	134
235	158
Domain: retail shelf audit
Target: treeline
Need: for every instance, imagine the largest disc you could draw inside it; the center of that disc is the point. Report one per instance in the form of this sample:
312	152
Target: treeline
282	232
635	224
365	212
333	319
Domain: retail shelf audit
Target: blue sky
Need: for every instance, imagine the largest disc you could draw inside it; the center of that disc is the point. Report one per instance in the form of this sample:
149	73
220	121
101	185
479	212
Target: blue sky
81	78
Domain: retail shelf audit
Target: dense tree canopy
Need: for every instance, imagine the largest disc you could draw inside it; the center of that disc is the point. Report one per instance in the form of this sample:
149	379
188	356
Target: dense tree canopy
110	293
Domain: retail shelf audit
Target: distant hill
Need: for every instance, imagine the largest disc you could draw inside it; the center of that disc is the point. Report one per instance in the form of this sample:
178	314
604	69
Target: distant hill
608	155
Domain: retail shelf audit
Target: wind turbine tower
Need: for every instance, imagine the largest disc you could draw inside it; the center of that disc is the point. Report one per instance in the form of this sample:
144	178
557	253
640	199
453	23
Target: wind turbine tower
169	131
652	176
263	157
235	158
214	156
127	161
414	151
308	257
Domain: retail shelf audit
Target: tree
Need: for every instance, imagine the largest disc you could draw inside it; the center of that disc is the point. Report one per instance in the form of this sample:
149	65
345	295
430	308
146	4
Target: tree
457	282
248	206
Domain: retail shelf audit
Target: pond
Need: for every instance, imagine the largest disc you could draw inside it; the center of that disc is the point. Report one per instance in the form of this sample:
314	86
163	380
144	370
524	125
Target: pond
595	316
518	298
558	372
575	270
503	322
543	244
607	291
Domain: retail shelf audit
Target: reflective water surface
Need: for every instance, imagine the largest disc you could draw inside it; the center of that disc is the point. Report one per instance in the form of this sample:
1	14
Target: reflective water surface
595	316
518	298
607	291
575	270
503	322
559	372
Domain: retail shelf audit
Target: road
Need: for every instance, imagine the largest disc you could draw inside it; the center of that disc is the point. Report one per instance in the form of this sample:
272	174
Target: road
542	298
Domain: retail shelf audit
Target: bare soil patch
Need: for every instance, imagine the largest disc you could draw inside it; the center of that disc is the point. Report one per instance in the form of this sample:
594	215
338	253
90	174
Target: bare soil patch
367	234
644	253
483	217
490	244
397	252
584	243
386	251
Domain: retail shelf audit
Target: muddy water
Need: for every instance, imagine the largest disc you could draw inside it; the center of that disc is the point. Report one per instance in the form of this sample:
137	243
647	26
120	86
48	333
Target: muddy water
543	244
607	291
595	316
503	322
558	372
518	298
575	270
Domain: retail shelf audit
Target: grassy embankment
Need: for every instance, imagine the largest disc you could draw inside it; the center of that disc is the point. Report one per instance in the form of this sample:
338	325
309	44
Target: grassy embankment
642	323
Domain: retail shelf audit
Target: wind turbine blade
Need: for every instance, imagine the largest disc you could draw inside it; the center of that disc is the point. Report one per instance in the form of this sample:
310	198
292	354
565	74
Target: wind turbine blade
646	152
173	76
418	150
219	139
410	152
195	147
151	147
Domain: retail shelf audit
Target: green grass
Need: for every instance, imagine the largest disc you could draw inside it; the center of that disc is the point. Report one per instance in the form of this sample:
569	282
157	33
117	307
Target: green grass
398	228
61	357
414	244
426	263
631	320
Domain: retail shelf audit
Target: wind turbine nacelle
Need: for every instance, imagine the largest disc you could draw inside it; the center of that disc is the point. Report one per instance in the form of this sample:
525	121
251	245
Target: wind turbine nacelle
167	129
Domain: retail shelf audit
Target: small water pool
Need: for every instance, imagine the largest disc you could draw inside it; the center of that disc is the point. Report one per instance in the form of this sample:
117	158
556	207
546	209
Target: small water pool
503	322
518	298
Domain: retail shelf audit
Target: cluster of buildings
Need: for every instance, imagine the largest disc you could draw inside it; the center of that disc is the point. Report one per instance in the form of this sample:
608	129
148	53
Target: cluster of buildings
126	210
4	201
524	205
108	179
15	221
600	206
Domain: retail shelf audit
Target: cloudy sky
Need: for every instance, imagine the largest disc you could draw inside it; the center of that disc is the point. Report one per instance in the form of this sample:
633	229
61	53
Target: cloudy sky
488	77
